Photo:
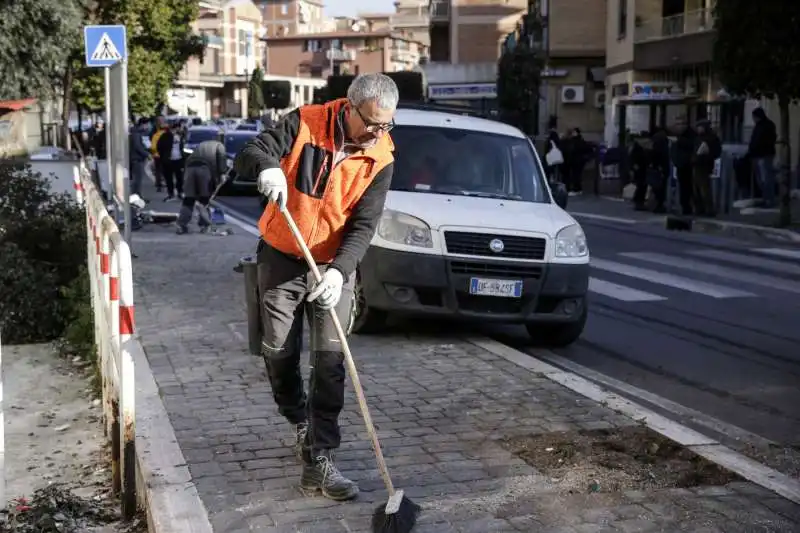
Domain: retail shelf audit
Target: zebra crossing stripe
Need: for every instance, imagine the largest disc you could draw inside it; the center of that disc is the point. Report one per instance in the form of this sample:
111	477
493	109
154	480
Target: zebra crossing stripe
748	260
669	280
779	252
621	292
705	267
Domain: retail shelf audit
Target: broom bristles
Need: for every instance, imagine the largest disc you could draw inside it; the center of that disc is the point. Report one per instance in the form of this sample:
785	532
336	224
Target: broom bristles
402	520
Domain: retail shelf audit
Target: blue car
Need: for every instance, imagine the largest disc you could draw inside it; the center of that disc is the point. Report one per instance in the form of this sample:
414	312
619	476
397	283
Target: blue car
197	134
234	141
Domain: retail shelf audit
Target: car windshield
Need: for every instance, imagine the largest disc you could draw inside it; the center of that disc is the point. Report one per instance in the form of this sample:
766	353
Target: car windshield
464	162
198	136
234	143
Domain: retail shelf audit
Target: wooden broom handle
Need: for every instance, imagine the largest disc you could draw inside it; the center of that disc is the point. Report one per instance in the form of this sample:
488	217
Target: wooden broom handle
348	357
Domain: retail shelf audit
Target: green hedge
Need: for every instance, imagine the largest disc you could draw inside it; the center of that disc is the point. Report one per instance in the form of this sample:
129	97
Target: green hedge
42	258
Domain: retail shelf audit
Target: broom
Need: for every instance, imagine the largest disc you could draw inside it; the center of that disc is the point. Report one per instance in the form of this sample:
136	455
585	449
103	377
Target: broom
399	514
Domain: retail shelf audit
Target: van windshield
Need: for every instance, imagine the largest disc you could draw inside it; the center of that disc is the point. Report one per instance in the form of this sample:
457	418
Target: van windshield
464	162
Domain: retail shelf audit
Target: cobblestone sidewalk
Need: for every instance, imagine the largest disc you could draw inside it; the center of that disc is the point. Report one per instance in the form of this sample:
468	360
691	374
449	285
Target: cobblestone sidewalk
441	404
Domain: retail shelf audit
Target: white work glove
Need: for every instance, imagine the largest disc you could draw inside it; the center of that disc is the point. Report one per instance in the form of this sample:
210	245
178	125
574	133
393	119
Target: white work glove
328	291
272	184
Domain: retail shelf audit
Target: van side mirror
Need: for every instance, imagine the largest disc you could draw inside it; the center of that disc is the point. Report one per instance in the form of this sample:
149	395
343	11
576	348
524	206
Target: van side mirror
560	194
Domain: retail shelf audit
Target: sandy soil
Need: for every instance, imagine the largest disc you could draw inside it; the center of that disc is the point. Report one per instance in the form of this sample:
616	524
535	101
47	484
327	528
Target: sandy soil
53	428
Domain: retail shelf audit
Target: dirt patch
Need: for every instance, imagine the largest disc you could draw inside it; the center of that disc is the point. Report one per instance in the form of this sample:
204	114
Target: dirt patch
57	461
633	458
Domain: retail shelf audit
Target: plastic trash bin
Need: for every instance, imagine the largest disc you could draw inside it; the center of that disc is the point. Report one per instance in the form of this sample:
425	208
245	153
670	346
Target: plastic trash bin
252	300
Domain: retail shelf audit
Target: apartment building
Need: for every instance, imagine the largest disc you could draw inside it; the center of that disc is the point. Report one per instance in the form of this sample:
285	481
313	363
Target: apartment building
216	84
471	31
343	52
292	17
413	16
573	44
661	50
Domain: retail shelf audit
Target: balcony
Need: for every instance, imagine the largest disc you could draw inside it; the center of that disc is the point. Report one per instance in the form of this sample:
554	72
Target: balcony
690	22
674	42
410	21
440	10
340	55
403	55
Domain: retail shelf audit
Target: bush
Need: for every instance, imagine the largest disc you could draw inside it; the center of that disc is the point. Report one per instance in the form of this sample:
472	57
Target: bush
42	251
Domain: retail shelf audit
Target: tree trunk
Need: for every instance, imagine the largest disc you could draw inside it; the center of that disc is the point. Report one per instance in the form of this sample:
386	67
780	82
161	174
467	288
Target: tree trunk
784	165
67	89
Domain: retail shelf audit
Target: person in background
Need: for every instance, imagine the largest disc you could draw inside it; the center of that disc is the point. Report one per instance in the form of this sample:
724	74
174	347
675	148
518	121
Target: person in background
761	151
580	153
708	149
98	140
139	154
169	148
682	154
158	167
553	172
637	165
659	169
205	169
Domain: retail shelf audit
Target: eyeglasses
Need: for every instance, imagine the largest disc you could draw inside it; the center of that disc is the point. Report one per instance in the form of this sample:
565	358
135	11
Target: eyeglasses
374	127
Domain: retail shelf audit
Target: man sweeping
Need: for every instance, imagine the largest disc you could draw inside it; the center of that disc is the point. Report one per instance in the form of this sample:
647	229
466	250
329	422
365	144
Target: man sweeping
205	169
330	167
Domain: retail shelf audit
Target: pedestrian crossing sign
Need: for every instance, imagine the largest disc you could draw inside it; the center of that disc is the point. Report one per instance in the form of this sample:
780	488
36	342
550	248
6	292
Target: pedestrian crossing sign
104	45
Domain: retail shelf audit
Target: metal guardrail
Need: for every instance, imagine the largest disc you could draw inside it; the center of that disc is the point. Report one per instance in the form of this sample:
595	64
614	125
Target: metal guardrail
111	280
687	23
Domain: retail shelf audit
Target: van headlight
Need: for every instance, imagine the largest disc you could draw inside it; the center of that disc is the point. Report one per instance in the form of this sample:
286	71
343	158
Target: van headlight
571	242
401	228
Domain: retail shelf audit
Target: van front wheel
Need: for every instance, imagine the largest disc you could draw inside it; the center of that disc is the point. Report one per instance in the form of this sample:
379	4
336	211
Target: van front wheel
363	318
557	335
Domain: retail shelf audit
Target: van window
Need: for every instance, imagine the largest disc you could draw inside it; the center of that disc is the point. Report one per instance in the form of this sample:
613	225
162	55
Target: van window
464	162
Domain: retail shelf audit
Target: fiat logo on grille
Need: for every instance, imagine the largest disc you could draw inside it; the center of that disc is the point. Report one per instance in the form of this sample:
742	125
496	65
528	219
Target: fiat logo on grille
496	245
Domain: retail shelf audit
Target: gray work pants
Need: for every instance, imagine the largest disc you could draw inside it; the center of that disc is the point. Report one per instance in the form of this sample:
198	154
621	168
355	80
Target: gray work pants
196	192
284	283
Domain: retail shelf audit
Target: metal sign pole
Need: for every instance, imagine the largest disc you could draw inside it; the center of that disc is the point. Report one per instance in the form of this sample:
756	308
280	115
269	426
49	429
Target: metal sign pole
106	127
119	122
124	151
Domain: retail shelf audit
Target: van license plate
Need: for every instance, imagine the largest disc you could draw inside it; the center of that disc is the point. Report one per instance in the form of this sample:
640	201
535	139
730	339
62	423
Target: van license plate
503	288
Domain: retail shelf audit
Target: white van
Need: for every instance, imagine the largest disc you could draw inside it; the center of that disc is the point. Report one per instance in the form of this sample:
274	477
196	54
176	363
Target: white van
471	230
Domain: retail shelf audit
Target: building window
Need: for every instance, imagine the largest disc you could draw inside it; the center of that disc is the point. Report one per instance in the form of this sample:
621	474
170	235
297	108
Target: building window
622	18
244	43
312	45
284	9
336	44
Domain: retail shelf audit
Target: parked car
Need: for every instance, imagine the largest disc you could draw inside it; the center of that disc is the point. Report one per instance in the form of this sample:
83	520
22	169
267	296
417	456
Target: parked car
472	230
234	141
197	134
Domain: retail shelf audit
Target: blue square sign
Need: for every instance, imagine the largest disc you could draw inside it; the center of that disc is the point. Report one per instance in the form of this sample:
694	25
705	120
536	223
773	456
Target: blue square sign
104	45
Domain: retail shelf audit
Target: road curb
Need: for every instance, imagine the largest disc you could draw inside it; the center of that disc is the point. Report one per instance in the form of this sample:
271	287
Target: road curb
700	444
736	229
164	483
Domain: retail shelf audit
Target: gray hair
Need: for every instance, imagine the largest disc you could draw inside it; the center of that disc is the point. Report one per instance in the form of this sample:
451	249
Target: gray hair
378	87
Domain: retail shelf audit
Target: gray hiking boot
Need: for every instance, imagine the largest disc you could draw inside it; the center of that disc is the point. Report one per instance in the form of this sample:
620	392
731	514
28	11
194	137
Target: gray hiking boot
322	475
300	431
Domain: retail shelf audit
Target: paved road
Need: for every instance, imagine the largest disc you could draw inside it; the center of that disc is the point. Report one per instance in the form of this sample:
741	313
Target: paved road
708	323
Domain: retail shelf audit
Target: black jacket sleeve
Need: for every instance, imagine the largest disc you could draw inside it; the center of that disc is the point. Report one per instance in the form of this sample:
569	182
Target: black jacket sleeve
266	150
363	222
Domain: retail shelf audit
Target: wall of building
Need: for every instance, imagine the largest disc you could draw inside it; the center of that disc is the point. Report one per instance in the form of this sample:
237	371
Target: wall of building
478	27
577	27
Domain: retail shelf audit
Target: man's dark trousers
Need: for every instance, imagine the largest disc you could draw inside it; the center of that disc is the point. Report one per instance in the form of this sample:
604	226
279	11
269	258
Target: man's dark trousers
284	283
